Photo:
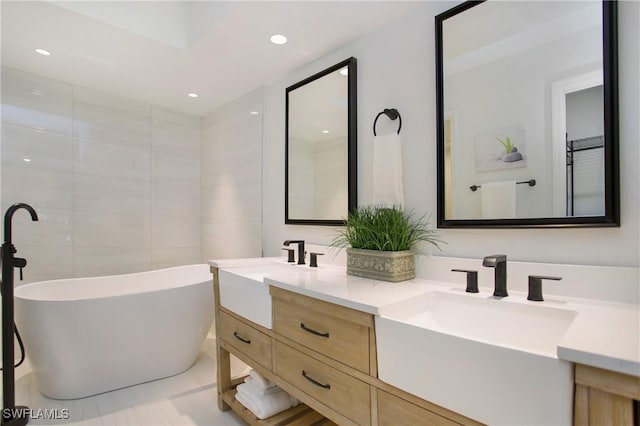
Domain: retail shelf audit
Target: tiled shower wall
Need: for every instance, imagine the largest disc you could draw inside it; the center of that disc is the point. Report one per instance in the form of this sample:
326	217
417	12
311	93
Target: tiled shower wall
116	182
232	179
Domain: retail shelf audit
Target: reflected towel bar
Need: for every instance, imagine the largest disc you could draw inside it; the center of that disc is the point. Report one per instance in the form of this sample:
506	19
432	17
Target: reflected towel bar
530	182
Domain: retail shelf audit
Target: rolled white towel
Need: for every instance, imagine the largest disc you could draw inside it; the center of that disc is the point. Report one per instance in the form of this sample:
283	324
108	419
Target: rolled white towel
258	390
265	406
259	381
246	401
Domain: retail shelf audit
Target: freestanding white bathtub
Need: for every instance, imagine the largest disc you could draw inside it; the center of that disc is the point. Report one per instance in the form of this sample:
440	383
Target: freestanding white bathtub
85	336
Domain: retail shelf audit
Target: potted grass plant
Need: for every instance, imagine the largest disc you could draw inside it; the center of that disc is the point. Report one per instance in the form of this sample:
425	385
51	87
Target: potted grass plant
382	242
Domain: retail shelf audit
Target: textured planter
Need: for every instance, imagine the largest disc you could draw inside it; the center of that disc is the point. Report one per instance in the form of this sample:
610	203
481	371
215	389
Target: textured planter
393	266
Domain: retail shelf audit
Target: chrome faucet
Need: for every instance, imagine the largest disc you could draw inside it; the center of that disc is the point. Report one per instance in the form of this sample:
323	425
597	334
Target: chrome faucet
499	263
301	253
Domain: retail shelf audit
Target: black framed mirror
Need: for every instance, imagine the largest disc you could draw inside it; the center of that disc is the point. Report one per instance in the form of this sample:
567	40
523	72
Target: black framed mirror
321	147
527	114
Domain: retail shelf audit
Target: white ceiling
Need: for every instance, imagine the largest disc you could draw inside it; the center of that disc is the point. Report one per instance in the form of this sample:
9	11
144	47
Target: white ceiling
158	51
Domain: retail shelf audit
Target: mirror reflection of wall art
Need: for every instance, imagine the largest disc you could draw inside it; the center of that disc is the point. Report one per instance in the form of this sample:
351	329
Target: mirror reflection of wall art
500	149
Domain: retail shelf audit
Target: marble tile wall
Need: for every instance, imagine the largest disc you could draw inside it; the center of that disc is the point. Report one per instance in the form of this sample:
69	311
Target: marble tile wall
231	162
116	182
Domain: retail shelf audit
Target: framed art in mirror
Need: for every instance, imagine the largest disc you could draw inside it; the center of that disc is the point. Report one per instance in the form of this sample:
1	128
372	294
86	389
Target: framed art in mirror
527	114
321	147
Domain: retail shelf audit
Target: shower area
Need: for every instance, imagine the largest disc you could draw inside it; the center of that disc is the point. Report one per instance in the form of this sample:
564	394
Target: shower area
124	186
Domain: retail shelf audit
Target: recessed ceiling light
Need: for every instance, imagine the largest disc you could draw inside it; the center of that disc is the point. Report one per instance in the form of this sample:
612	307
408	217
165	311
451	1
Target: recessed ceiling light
193	95
254	113
278	39
43	52
325	131
344	71
27	160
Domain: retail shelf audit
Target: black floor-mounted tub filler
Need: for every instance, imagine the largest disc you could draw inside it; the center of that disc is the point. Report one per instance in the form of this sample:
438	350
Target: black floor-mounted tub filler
12	415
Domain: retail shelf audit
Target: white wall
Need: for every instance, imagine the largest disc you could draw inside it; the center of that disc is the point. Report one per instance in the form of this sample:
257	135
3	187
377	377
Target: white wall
584	109
396	69
232	180
115	182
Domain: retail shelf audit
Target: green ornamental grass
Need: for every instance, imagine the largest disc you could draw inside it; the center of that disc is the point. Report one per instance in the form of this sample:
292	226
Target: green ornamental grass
385	228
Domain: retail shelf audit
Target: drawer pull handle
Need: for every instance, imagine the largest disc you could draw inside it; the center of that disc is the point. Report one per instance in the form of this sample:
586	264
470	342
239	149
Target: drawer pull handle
312	331
315	382
235	334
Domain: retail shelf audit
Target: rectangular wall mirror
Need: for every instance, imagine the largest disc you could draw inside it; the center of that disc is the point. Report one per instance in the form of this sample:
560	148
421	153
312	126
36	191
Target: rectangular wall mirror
321	147
527	114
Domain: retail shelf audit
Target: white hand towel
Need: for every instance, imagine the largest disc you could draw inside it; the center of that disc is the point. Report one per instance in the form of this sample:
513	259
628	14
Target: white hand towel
266	406
260	381
387	170
498	200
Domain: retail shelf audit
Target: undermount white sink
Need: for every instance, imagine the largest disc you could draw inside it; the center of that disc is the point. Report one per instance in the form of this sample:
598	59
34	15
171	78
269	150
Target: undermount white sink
243	291
493	360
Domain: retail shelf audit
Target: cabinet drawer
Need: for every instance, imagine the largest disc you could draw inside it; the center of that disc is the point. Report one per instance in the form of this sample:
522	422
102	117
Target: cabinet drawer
394	411
335	331
341	392
246	339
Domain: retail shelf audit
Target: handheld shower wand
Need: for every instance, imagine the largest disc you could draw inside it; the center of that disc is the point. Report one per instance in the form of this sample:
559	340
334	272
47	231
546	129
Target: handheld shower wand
11	415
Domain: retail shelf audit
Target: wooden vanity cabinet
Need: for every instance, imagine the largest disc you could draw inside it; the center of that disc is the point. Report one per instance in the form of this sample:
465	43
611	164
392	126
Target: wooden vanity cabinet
394	411
246	339
324	355
255	346
340	333
327	352
604	398
335	390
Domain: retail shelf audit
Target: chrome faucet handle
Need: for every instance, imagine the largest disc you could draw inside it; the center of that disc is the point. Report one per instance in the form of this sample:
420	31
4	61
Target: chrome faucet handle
472	279
535	286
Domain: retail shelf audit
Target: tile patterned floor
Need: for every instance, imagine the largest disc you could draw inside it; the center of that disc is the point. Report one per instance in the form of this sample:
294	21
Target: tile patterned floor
186	399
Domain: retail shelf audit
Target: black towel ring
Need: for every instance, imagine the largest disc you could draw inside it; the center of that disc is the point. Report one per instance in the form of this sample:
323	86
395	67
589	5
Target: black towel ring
392	113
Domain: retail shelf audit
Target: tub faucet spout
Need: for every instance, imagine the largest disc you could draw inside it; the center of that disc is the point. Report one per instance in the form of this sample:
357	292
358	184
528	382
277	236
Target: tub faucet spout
301	253
499	263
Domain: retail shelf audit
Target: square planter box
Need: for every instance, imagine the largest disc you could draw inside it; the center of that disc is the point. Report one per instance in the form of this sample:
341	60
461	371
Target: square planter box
393	266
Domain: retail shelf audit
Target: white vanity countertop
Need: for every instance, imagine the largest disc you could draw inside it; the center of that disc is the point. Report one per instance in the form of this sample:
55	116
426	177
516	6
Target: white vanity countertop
332	284
603	334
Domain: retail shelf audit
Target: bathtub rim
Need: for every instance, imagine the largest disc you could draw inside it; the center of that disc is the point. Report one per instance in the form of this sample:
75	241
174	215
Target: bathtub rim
26	287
